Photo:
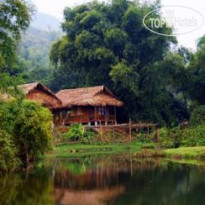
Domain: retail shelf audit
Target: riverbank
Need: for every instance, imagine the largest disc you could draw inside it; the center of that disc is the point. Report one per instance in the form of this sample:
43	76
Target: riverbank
139	150
81	149
186	153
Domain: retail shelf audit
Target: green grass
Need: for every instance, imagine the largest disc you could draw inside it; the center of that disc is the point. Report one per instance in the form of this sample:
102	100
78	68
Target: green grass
186	152
80	150
139	150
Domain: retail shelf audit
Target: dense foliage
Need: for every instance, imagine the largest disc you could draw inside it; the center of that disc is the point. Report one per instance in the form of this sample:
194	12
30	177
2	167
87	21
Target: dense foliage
15	17
106	43
77	132
198	115
25	131
25	127
8	152
196	71
176	137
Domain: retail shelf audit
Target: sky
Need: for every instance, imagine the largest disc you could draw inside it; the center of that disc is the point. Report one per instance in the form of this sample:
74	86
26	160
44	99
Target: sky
55	8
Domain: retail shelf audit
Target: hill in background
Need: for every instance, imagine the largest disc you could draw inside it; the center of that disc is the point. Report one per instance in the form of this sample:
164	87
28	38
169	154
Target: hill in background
33	53
45	22
34	48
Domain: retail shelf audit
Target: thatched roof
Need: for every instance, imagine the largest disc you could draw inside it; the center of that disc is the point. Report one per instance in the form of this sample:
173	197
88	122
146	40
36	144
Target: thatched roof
93	96
29	88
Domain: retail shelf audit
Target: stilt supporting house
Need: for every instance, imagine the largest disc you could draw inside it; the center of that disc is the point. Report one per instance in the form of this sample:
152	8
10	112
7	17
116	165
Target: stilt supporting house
91	106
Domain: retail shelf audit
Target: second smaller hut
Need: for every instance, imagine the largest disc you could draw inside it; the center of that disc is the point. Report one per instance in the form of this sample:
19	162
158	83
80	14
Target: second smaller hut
40	93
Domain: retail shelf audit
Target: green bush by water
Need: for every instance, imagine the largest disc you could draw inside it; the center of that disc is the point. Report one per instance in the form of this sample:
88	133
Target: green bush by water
175	137
25	132
77	132
184	137
8	153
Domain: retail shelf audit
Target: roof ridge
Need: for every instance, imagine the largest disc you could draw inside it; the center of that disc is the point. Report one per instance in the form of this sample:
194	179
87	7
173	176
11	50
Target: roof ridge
35	85
29	83
81	88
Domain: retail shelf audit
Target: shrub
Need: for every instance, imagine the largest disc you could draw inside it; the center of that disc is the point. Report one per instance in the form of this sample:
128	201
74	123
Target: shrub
8	153
193	136
76	132
167	137
171	138
176	137
111	136
89	135
198	115
142	137
29	124
32	130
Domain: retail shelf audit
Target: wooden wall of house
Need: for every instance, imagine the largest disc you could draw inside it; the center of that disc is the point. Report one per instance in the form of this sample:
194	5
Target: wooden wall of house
60	116
83	114
44	98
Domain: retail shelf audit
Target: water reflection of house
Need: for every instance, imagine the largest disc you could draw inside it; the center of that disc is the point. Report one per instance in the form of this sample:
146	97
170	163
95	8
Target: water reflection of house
94	187
102	183
87	197
87	105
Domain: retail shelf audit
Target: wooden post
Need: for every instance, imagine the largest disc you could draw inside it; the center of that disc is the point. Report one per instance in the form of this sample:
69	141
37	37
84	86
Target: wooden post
115	113
95	114
156	133
101	131
130	130
61	117
107	115
81	116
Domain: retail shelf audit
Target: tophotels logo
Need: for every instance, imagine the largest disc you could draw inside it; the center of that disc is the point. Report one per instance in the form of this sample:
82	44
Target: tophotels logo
182	19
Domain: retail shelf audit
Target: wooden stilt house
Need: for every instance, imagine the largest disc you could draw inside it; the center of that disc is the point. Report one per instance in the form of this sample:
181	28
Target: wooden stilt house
91	105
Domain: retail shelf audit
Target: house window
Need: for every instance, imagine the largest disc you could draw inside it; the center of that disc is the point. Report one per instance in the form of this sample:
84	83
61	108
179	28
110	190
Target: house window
101	111
76	111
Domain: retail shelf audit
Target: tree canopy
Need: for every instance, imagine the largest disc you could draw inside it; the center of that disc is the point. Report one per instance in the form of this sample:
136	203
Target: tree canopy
25	127
15	17
106	43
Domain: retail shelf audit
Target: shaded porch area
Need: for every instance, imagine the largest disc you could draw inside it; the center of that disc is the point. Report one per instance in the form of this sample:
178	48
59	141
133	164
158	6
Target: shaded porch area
90	115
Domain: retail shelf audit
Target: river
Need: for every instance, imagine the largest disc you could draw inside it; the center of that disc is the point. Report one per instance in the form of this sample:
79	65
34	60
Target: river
118	180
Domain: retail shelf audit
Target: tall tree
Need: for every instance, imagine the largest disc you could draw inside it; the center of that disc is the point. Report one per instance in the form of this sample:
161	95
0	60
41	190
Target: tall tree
15	16
106	43
196	70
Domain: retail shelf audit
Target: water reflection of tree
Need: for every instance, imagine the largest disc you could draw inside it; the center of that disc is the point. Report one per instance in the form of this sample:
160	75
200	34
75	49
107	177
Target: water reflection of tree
103	181
77	174
27	189
82	183
99	184
170	184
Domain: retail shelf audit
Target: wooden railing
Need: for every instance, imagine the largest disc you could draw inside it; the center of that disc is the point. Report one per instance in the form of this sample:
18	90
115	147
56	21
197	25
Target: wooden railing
84	119
78	118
